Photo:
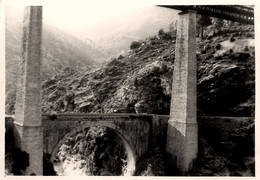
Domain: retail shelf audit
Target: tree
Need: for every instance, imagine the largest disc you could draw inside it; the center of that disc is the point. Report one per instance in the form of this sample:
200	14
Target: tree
202	22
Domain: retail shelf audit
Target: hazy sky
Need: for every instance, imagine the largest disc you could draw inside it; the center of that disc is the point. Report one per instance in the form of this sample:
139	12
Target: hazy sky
71	14
77	16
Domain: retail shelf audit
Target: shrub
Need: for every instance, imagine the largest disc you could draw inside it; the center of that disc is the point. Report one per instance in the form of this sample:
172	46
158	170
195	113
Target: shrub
163	35
135	45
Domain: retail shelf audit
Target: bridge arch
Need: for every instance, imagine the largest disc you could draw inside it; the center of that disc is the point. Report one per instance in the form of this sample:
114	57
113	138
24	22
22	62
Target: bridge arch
129	148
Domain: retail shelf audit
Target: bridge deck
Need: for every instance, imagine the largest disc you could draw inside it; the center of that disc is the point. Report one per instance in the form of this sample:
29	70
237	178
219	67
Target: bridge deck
242	14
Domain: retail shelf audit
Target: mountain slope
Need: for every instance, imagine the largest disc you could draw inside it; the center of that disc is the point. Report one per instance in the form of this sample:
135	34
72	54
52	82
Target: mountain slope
141	80
59	49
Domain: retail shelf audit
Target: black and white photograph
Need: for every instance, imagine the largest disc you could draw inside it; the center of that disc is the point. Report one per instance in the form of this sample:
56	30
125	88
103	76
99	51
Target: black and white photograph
121	88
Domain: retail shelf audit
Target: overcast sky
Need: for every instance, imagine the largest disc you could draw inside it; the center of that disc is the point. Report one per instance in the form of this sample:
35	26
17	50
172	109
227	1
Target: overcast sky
77	16
73	14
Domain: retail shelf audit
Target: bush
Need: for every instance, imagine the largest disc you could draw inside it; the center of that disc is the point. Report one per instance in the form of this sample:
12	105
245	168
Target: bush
163	35
135	45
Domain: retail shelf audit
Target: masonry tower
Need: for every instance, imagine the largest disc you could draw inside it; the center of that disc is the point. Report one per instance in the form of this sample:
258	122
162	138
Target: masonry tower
28	120
182	135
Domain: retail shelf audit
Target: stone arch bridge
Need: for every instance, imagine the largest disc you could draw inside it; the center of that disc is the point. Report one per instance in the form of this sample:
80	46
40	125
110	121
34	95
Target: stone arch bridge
137	132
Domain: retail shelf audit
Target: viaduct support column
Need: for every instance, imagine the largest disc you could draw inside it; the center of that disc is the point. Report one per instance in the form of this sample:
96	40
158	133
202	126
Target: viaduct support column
182	135
28	120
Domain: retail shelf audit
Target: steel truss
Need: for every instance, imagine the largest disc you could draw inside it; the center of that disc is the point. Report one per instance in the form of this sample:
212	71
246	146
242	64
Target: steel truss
242	14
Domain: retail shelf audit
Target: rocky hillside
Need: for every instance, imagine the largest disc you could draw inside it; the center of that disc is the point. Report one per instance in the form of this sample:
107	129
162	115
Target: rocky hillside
141	77
140	81
226	71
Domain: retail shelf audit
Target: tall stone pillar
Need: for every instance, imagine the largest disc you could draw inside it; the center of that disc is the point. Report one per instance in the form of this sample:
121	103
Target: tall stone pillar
182	135
28	120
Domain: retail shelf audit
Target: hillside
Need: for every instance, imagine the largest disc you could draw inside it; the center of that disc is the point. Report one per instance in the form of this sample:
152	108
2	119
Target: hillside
59	49
141	79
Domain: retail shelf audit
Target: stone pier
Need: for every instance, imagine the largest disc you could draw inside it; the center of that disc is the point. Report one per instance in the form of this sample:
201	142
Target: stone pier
182	134
28	120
